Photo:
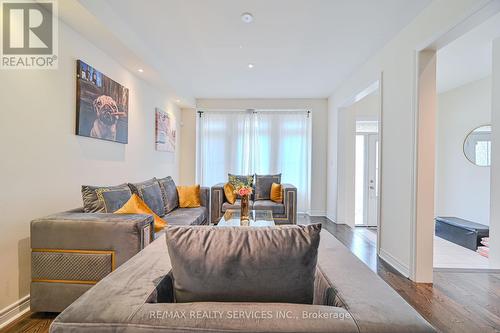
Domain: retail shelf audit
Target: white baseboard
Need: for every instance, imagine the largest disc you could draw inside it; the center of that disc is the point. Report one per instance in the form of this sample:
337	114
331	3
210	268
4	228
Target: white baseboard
316	213
395	263
14	311
331	218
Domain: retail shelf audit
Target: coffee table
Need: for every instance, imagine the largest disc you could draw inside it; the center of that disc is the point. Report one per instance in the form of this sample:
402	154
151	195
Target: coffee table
258	218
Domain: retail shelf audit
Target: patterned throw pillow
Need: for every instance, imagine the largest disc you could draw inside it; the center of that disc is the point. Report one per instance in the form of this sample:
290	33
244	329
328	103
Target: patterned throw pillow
238	180
169	193
263	185
150	192
107	199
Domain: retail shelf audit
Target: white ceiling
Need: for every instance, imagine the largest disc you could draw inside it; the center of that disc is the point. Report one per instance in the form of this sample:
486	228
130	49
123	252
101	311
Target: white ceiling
300	48
468	58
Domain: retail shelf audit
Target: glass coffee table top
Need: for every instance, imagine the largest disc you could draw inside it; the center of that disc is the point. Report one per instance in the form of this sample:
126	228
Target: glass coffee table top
258	218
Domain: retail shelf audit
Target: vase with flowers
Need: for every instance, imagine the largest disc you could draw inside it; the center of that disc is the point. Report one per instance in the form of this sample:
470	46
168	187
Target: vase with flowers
244	191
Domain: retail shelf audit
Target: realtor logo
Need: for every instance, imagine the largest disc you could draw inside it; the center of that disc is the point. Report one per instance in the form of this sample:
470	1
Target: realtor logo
29	34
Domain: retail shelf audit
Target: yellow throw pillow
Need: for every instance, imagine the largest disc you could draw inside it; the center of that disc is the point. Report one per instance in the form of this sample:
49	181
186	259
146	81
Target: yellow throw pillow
135	205
229	193
276	193
189	196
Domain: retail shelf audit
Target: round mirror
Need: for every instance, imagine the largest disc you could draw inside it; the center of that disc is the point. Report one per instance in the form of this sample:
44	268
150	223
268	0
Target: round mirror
477	146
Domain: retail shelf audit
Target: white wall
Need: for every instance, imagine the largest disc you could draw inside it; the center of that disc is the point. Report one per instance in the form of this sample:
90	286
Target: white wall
187	171
462	188
397	62
319	110
495	160
43	163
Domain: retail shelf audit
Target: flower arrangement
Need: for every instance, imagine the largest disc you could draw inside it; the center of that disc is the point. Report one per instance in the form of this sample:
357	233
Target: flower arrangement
243	190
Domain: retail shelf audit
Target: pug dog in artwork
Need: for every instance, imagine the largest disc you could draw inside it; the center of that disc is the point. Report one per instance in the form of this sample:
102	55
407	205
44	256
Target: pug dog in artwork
107	115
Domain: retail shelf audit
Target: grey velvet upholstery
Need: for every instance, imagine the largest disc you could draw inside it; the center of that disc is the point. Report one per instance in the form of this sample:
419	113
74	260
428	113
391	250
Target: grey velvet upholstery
285	214
276	208
263	185
104	199
169	194
149	191
187	216
244	264
237	205
135	297
94	236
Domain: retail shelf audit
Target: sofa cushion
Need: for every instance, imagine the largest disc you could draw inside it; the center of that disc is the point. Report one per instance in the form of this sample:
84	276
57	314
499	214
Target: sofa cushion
276	208
104	199
135	205
189	196
235	264
187	216
263	185
149	191
236	205
238	180
169	193
229	193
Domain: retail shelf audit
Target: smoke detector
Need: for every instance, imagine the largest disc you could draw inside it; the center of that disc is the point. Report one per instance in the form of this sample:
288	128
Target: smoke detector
247	17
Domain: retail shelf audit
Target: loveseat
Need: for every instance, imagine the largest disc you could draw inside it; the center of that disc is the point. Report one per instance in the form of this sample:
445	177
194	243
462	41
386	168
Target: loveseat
138	297
284	212
73	250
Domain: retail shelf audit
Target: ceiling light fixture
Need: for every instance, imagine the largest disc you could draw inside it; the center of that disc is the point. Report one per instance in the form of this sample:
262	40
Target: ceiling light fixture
177	100
247	17
140	70
250	66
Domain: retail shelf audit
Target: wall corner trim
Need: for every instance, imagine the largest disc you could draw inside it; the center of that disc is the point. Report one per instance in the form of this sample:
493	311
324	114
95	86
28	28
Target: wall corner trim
395	263
14	311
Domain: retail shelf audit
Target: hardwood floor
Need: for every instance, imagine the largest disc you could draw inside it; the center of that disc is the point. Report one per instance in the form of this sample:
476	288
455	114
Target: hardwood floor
456	302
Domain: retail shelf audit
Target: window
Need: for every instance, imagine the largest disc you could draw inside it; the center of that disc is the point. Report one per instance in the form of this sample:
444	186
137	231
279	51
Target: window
262	142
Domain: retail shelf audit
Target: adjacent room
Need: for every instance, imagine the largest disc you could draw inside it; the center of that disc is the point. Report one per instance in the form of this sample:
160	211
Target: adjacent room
463	154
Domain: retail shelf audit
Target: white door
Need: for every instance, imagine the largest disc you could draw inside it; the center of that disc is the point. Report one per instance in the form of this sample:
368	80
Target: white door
372	166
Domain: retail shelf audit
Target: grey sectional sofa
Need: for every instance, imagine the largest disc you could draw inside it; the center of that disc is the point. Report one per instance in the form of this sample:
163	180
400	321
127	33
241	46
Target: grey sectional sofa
73	250
137	297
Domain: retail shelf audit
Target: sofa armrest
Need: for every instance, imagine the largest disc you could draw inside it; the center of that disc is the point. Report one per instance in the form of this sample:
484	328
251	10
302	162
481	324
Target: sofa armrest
290	201
123	234
205	197
218	198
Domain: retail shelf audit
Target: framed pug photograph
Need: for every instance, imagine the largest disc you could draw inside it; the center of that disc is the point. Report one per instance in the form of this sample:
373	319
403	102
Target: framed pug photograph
101	105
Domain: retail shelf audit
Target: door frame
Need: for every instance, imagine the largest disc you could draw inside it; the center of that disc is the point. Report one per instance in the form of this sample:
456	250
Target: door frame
377	83
422	230
366	174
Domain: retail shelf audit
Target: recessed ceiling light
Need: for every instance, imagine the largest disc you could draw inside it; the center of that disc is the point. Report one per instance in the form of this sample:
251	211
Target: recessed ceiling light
241	46
140	70
177	100
247	17
250	65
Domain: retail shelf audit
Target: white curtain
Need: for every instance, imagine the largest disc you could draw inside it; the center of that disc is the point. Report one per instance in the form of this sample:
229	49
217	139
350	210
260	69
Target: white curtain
262	142
282	145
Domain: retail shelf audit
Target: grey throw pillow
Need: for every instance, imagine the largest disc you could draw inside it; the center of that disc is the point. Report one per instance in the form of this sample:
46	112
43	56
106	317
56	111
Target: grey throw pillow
244	264
169	194
104	199
149	191
263	185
